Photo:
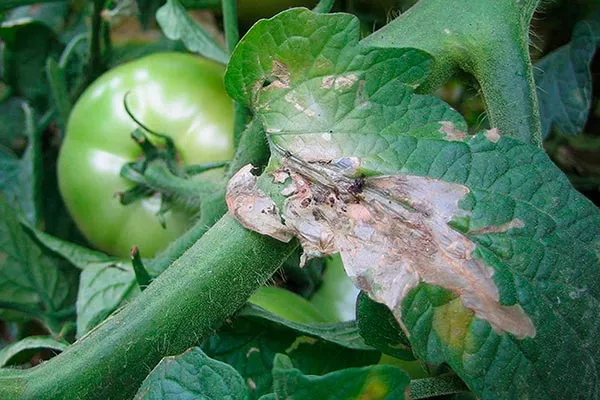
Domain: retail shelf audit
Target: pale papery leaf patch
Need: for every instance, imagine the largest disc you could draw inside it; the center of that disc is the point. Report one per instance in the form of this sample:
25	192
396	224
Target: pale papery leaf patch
392	233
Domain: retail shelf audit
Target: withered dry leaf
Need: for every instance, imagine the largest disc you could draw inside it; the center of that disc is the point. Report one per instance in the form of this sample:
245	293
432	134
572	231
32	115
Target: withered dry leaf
392	232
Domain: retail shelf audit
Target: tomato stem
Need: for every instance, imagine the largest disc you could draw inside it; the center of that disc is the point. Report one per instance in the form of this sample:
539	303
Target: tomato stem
141	274
164	320
466	37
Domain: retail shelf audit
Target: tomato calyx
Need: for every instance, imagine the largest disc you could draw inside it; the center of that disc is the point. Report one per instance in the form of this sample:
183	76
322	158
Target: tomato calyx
158	173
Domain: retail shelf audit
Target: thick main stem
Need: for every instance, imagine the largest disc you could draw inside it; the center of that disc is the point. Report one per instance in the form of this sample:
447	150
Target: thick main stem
182	307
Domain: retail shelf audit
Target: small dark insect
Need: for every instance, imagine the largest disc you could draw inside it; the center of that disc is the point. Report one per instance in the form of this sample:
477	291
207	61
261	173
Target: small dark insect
357	185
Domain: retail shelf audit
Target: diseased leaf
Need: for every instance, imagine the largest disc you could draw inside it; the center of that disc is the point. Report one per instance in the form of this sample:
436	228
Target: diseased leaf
193	375
478	244
564	82
250	344
378	382
177	24
15	350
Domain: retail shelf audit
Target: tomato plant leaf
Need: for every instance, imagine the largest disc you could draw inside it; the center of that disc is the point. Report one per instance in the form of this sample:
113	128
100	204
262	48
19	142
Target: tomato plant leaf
193	375
147	10
28	45
478	244
20	178
344	334
105	283
15	352
9	4
177	24
79	256
376	381
58	89
30	281
250	345
102	289
12	123
379	328
564	82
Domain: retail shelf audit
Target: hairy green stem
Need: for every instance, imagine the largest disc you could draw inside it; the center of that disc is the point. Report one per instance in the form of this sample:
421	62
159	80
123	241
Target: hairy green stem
253	150
232	36
182	307
230	24
95	64
486	38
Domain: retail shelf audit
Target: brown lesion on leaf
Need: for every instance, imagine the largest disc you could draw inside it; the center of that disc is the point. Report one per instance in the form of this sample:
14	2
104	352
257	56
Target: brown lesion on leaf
279	78
493	135
291	98
451	133
512	224
391	231
338	82
253	208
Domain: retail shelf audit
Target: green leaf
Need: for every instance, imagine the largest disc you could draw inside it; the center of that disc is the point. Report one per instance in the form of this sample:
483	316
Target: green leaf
9	4
58	89
345	334
102	289
134	49
478	244
147	10
20	178
79	256
380	329
54	15
193	375
12	123
30	281
303	280
28	45
324	6
177	24
281	301
374	382
15	353
250	344
564	82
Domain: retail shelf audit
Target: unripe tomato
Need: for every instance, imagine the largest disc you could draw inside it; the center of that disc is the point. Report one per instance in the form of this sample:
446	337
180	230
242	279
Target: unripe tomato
171	93
287	305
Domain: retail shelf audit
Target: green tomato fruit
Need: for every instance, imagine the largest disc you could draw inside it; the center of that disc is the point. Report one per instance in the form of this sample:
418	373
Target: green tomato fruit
287	305
176	94
336	297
